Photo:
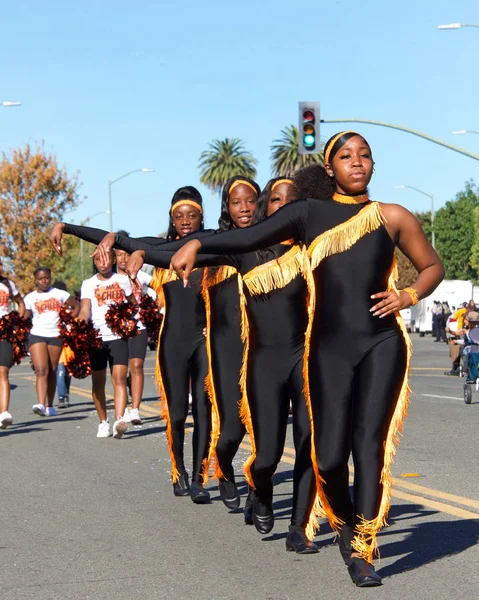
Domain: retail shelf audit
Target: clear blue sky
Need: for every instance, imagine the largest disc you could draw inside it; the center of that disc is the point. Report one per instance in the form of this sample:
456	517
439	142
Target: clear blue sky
112	86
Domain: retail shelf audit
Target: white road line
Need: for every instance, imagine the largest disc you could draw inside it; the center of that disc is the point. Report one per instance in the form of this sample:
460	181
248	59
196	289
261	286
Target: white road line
445	397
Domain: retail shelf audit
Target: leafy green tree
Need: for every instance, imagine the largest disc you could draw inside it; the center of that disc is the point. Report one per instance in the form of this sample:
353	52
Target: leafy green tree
475	247
285	157
424	219
35	192
225	159
407	274
454	225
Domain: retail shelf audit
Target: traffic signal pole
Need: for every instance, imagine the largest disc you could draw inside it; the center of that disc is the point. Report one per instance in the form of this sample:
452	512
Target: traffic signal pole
407	130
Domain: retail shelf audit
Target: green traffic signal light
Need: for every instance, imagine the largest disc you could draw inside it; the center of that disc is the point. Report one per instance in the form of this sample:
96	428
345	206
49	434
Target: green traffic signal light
309	141
308	128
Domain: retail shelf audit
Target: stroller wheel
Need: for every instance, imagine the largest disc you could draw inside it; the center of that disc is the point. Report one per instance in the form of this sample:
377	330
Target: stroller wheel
467	393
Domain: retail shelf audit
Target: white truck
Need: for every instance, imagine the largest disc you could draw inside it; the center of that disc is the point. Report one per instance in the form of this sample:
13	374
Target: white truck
453	291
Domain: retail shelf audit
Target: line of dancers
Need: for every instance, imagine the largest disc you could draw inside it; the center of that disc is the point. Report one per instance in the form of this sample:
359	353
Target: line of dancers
296	294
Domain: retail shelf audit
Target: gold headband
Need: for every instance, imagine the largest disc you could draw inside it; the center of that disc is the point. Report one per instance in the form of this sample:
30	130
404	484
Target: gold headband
242	182
189	203
333	141
280	181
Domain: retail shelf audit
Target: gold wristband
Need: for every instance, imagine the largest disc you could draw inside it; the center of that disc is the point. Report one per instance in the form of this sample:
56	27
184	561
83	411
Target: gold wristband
412	292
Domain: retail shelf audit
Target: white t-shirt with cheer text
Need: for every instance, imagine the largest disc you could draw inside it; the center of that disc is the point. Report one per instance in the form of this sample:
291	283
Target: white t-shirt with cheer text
6	296
45	307
102	293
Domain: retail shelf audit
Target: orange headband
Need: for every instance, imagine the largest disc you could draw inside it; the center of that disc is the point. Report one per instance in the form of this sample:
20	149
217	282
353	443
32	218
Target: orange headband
280	181
333	141
189	203
242	182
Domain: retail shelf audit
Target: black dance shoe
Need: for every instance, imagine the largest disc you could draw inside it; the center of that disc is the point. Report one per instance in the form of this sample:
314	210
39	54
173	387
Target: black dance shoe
362	573
229	493
198	493
297	541
345	536
182	485
263	516
248	508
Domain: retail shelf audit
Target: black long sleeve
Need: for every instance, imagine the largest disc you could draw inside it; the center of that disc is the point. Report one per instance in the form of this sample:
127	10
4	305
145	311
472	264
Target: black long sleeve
130	244
162	258
147	243
289	222
95	236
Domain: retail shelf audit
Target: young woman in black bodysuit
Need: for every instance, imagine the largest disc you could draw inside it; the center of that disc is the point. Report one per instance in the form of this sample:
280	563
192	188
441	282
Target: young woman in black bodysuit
272	371
181	349
357	351
224	345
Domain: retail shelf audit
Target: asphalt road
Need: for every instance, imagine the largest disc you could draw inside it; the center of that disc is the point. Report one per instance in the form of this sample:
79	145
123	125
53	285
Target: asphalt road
87	518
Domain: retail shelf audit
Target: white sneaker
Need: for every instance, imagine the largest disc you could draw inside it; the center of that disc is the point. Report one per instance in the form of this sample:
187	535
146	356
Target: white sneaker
127	416
119	428
135	418
39	409
6	420
51	411
103	429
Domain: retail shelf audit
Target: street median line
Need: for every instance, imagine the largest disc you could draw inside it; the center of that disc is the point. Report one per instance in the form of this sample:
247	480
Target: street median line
412	497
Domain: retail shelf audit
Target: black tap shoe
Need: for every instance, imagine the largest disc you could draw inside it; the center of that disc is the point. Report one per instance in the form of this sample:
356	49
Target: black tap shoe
198	493
362	573
263	516
229	493
297	541
182	485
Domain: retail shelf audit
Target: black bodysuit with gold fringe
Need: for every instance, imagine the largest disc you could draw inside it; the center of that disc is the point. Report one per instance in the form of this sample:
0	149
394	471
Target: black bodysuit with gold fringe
356	375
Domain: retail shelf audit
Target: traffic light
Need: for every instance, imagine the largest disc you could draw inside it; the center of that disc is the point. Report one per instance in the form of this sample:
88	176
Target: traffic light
308	128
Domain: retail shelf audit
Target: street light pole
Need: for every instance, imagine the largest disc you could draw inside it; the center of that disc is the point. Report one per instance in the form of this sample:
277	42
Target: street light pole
112	181
431	196
407	130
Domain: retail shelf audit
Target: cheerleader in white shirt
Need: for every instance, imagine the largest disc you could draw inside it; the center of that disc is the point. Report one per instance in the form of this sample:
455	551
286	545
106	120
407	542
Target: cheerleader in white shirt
8	293
97	295
43	307
136	346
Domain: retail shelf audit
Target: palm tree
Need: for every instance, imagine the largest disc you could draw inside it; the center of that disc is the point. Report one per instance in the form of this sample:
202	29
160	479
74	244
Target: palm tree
224	159
285	156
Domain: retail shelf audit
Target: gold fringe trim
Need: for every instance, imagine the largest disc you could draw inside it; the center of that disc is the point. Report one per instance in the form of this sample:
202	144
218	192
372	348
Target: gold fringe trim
244	408
344	236
321	507
275	274
364	541
164	412
217	275
160	277
212	460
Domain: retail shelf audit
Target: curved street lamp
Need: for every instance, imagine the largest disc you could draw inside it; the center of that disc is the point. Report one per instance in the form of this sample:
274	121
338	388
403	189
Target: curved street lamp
463	131
112	181
456	25
431	196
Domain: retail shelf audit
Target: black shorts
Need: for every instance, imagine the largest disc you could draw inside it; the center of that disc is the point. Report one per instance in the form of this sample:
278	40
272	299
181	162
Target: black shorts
6	354
51	341
110	353
137	345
